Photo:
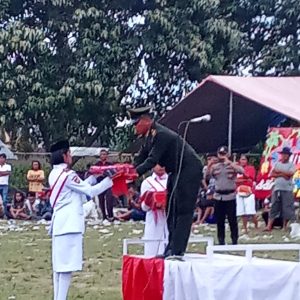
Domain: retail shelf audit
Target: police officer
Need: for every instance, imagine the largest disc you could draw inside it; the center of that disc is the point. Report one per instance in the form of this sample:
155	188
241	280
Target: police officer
68	193
166	148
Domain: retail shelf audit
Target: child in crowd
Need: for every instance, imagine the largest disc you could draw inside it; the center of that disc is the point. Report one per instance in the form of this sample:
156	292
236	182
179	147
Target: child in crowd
31	204
44	207
17	209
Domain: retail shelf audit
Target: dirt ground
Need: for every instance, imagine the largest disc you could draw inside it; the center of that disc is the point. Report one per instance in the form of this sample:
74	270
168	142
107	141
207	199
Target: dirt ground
25	259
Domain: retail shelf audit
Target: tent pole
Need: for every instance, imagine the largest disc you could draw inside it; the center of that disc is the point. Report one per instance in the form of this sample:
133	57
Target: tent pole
230	122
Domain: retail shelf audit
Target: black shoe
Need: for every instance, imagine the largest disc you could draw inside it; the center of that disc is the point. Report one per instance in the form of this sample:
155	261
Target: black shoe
168	252
175	258
221	243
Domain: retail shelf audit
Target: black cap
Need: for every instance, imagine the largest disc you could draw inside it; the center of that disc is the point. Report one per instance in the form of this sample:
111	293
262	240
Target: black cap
136	113
223	150
62	144
286	150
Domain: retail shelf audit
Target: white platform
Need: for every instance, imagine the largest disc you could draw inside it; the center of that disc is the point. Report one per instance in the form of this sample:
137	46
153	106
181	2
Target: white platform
214	276
229	277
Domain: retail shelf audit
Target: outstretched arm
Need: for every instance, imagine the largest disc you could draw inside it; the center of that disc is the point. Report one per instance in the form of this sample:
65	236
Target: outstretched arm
76	184
159	147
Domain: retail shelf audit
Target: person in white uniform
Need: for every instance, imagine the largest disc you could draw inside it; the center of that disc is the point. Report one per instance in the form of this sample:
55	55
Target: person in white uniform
156	222
68	193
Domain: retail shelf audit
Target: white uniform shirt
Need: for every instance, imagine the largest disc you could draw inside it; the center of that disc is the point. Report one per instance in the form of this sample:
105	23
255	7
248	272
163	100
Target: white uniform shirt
4	179
156	222
153	183
68	215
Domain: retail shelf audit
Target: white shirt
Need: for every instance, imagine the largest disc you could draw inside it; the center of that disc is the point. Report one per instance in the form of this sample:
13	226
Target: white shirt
4	179
32	208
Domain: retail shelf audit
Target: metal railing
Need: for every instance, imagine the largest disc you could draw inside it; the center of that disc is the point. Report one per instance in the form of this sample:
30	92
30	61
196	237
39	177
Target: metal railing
249	248
193	240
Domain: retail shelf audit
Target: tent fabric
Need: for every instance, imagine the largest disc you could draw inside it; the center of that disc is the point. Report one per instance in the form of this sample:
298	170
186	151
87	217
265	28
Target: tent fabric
86	151
7	151
258	102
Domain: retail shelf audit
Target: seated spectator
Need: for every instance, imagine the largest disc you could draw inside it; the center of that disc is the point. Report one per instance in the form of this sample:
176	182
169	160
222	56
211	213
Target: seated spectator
205	207
134	210
31	204
17	209
35	177
44	208
278	222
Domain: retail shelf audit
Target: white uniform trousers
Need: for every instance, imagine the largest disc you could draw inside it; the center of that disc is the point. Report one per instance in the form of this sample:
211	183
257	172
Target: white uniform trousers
155	229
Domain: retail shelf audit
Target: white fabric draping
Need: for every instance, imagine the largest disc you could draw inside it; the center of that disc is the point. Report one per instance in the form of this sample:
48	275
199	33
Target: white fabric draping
229	277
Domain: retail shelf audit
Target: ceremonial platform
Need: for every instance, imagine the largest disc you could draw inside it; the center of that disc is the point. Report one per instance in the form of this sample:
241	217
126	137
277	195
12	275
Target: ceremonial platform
212	276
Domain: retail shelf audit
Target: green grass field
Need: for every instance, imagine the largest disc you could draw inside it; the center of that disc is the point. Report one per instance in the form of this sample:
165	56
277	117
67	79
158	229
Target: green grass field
25	260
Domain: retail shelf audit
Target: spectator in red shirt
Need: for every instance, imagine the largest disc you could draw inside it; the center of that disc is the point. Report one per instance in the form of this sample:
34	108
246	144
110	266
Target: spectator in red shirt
106	199
245	198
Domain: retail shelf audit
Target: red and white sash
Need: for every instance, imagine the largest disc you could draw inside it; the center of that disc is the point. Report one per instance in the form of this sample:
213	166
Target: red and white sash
58	186
156	185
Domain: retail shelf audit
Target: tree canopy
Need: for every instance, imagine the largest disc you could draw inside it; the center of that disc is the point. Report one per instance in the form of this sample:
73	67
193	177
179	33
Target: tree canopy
69	67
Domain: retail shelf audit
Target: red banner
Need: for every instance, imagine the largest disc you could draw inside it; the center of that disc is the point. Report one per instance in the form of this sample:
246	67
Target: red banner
142	278
277	138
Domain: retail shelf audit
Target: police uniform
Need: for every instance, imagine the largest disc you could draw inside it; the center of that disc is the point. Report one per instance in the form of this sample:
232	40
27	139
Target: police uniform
164	147
68	194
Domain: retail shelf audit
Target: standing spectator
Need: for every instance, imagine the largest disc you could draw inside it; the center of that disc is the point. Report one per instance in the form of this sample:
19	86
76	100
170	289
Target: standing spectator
245	199
5	171
224	173
106	199
282	193
35	177
31	205
17	209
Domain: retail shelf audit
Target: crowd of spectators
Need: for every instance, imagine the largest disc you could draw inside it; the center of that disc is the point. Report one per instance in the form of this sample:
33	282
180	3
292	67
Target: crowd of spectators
226	192
32	204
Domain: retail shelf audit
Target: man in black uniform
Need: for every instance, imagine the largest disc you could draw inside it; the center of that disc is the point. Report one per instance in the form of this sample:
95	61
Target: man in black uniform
166	148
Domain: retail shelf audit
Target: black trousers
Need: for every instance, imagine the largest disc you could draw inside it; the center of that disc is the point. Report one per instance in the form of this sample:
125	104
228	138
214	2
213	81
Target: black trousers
106	203
227	209
180	209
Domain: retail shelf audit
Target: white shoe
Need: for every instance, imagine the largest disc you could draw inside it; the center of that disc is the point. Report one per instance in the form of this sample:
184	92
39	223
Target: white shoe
117	222
106	223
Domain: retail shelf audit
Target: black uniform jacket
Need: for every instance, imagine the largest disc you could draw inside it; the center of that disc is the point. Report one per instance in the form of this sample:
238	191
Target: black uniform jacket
163	146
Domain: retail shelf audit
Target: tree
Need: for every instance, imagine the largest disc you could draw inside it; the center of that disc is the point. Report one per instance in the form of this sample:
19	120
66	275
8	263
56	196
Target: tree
182	42
69	67
64	68
271	36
